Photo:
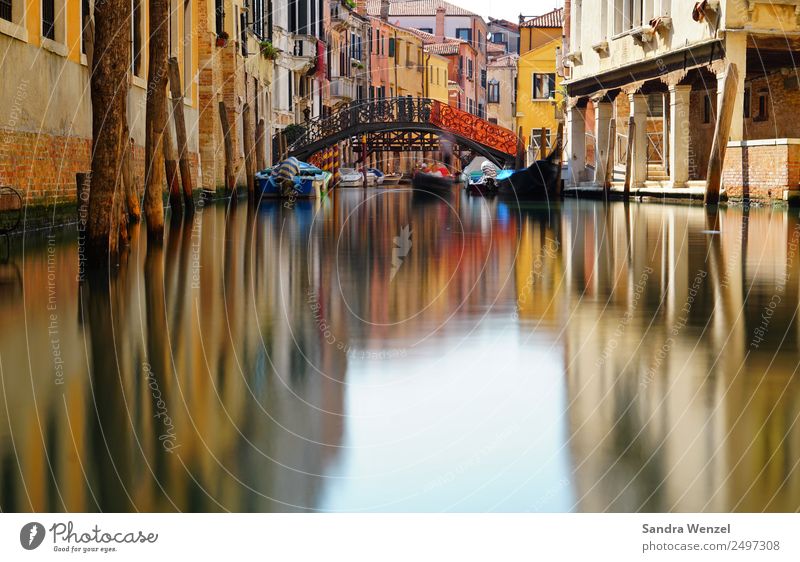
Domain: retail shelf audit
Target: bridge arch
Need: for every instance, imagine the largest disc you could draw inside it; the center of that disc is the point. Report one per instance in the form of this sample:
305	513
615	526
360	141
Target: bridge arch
424	115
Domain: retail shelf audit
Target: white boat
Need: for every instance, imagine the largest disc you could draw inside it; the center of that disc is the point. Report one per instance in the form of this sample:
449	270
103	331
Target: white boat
350	177
378	175
392	179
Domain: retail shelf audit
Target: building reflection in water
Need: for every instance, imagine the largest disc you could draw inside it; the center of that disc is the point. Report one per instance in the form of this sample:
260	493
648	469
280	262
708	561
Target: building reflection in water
378	352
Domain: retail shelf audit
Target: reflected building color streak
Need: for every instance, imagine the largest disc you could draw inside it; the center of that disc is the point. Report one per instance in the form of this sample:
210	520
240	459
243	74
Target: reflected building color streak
584	356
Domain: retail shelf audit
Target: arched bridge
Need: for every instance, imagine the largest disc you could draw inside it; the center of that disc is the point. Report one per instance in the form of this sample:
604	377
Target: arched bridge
415	115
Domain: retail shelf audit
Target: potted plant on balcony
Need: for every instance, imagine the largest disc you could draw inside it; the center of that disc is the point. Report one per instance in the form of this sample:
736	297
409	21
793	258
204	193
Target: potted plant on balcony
350	4
268	50
222	39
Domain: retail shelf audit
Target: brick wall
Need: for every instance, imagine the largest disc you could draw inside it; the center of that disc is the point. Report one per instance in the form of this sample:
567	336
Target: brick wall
701	134
43	167
761	172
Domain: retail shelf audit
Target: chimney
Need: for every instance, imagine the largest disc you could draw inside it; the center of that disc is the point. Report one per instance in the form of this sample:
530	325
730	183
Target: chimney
439	30
361	7
385	10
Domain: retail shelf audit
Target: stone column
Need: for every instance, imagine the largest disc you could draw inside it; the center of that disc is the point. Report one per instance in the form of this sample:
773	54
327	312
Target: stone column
576	143
603	110
679	134
639	161
736	53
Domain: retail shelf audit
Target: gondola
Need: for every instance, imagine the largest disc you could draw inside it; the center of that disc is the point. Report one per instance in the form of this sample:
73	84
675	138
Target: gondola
537	182
434	184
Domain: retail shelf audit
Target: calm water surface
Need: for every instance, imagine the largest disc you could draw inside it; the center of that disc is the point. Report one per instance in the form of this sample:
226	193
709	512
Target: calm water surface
379	353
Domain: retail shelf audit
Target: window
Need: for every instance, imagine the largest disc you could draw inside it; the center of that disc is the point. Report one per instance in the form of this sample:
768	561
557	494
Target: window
258	18
391	46
469	69
630	14
292	16
243	32
494	91
86	14
483	78
544	85
426	30
187	46
219	13
49	19
5	10
655	105
498	37
464	33
493	120
536	139
747	95
136	34
172	26
706	109
762	110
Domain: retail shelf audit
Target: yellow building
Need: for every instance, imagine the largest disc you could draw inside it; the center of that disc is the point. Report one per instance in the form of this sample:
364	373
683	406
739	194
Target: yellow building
436	77
409	67
537	80
47	115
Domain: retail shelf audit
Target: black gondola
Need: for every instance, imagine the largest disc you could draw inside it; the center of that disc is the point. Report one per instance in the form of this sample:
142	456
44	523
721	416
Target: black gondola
537	182
433	184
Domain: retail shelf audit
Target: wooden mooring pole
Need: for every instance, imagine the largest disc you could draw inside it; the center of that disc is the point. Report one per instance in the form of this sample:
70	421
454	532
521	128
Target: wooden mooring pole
559	147
180	134
721	133
261	150
543	144
626	190
609	170
230	177
248	136
171	170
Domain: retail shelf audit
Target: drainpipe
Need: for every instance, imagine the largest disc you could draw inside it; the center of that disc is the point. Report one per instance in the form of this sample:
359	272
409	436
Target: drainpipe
425	74
396	93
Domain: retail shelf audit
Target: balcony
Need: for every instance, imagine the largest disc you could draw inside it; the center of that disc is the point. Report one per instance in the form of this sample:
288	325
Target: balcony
342	89
342	16
302	53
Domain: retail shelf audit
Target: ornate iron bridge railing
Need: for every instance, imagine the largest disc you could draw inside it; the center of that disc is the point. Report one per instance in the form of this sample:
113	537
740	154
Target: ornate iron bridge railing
408	114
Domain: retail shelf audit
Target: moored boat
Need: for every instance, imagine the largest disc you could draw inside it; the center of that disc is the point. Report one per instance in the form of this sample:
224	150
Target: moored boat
308	183
392	179
350	177
537	182
379	176
432	183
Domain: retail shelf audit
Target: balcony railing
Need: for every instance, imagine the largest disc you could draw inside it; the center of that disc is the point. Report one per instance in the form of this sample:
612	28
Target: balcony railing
304	46
342	88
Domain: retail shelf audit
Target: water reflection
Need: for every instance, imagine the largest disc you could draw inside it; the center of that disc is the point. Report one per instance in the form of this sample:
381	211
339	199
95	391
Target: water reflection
378	352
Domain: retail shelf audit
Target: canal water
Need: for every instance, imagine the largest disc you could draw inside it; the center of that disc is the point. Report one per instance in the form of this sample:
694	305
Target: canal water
376	352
